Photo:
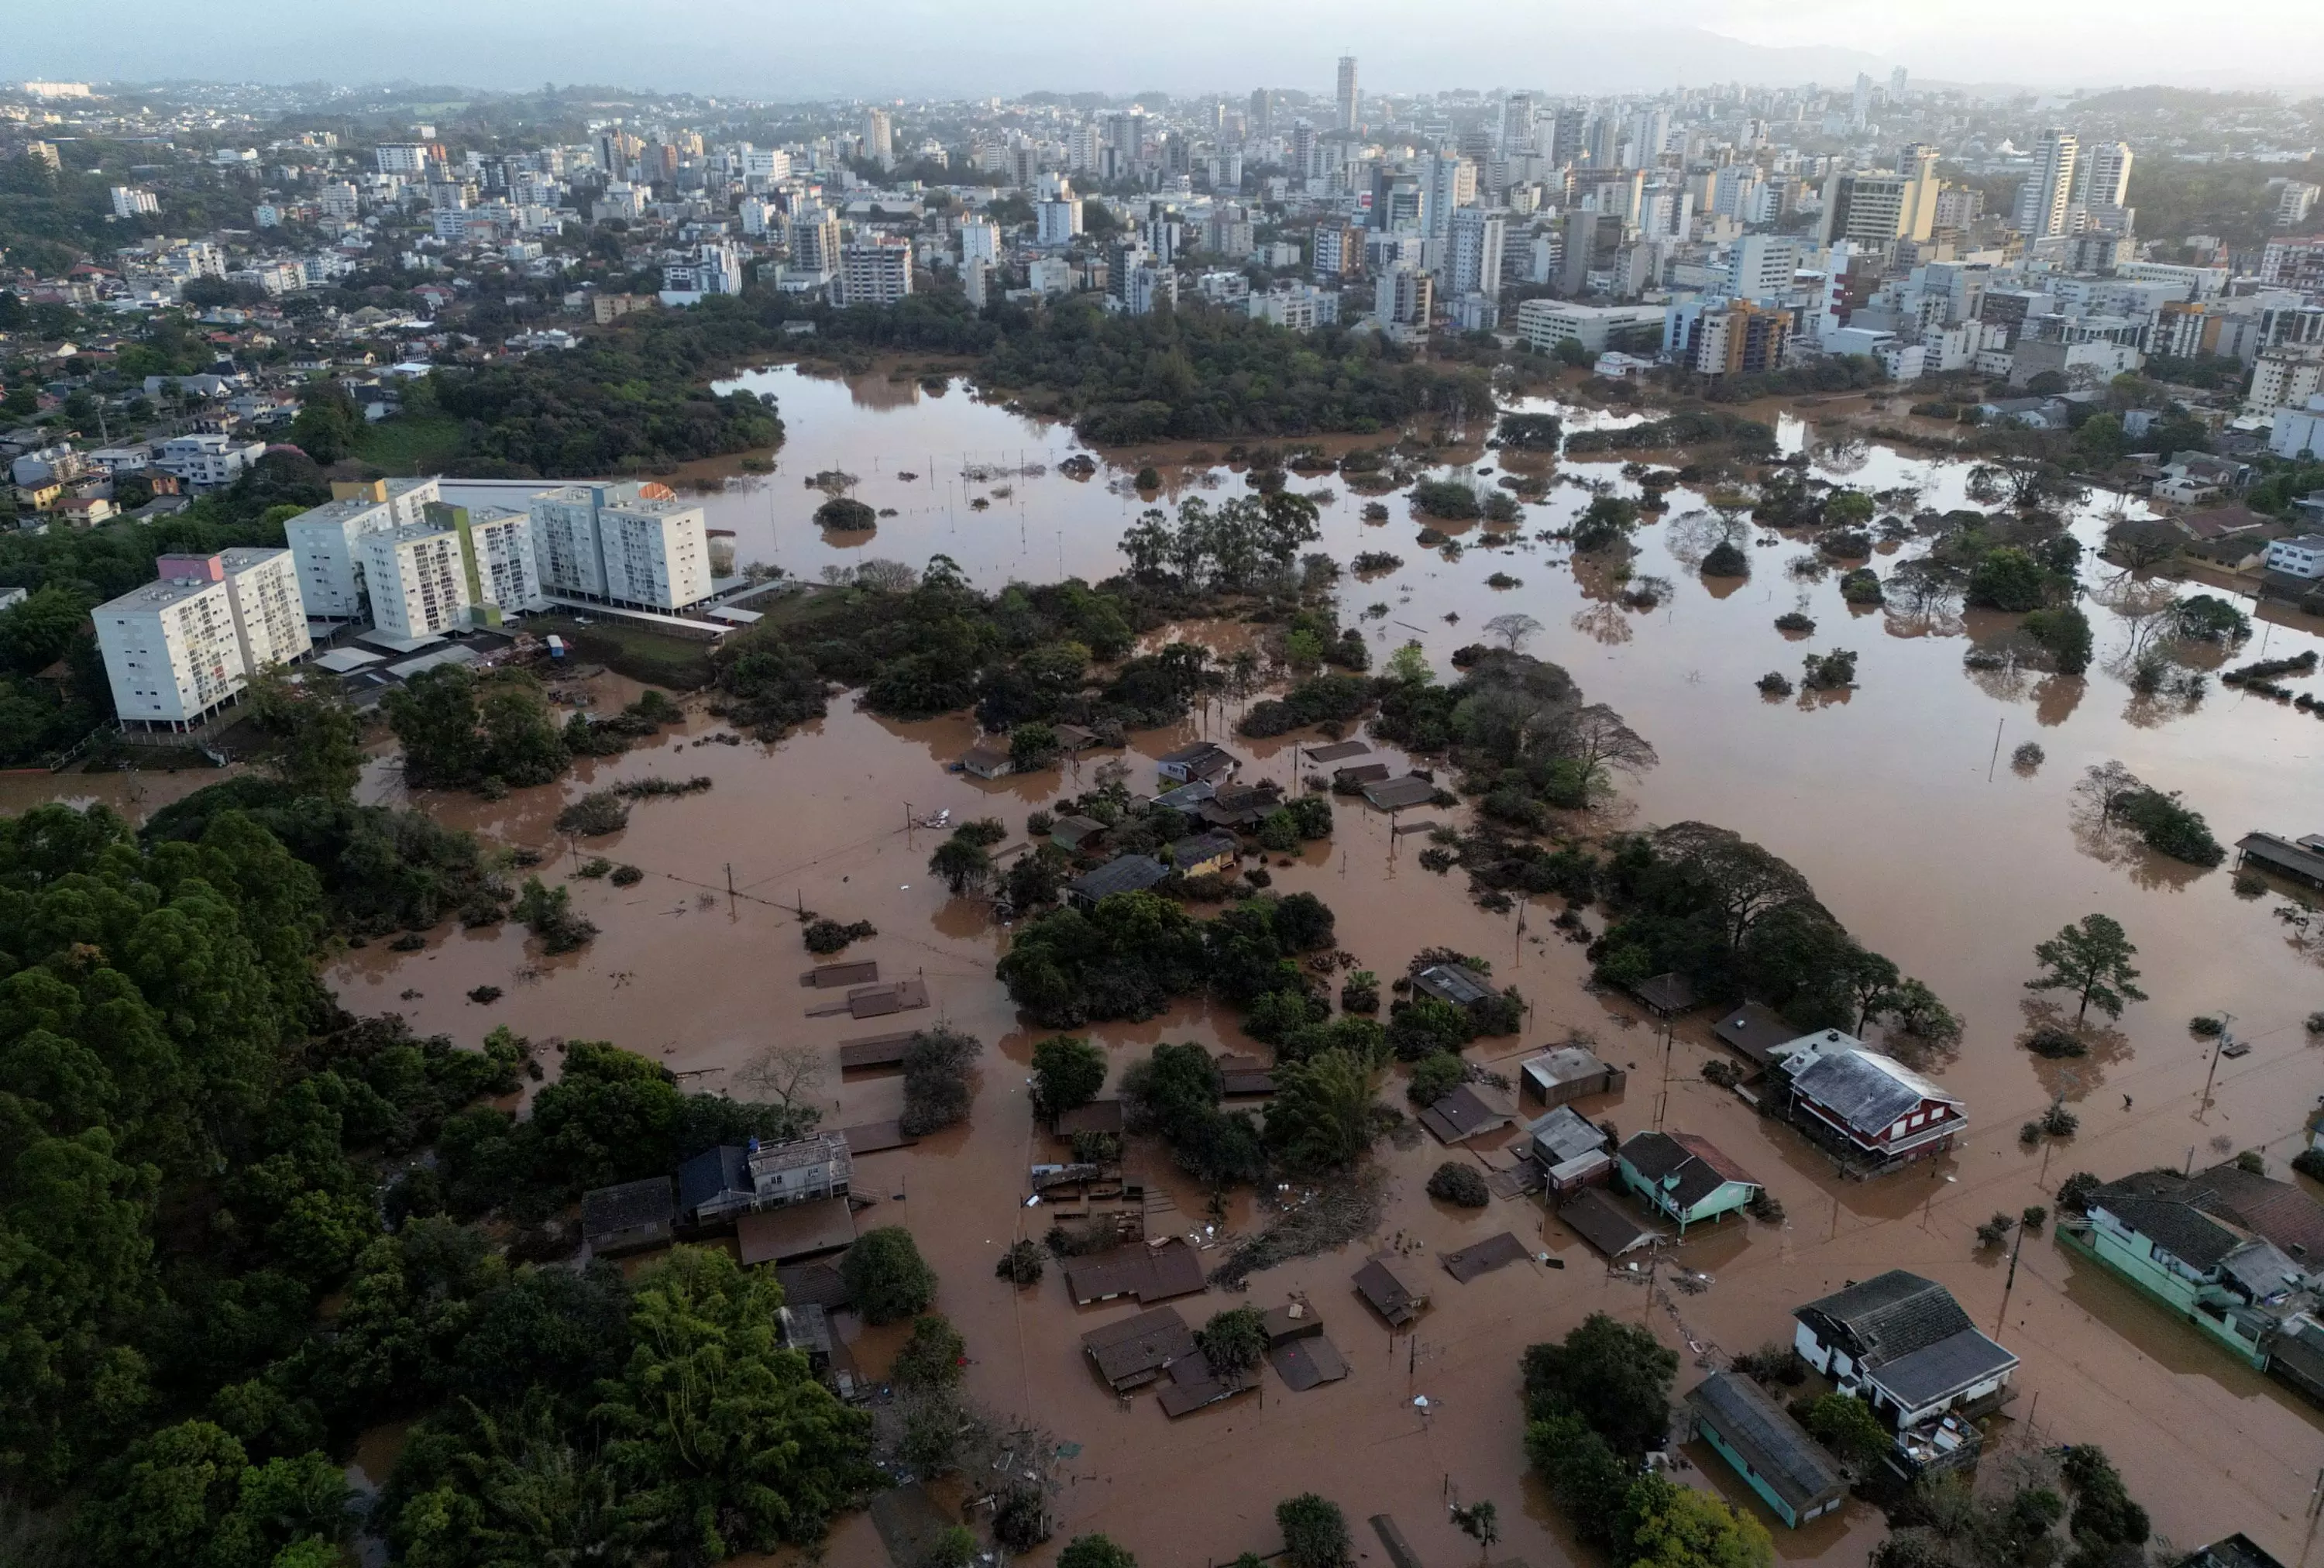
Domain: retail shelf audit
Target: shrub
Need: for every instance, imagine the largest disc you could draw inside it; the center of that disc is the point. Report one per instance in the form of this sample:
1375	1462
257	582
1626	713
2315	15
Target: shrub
1862	586
1457	1184
830	937
1796	621
1774	683
2055	1043
1830	671
626	876
931	1358
1995	1231
846	514
1234	1342
595	813
935	1079
1315	1532
1726	560
1023	1264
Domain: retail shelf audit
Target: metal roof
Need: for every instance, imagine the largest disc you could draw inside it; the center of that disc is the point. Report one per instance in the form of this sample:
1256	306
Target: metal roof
1454	983
1565	1065
1947	1366
1888	1316
1565	1133
1865	1089
1464	1114
1604	1224
1699	1169
1777	1448
2283	855
1127	873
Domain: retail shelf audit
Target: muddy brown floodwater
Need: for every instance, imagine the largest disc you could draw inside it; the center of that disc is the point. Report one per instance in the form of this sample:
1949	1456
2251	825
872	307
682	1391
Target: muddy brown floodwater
1898	802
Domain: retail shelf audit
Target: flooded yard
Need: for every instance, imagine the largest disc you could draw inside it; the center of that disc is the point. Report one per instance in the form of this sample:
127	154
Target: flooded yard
1897	799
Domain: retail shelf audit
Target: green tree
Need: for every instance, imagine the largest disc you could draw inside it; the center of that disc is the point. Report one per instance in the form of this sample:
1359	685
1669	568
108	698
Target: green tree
2091	960
962	866
1409	666
1032	746
932	1357
1095	1551
1067	1074
1613	1375
1846	1425
1234	1342
1435	1076
1315	1532
1322	1114
723	1439
886	1276
1676	1527
1588	1480
329	422
1481	1523
2065	631
2009	578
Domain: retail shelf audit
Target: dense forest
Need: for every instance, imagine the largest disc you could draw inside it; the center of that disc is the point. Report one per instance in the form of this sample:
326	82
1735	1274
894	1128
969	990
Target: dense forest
197	1149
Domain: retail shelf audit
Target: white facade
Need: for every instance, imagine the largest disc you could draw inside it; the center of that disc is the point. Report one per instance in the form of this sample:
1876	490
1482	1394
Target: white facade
180	648
270	618
2284	378
325	542
418	581
505	570
617	543
2048	190
206	461
1297	306
980	241
2298	557
1547	323
2297	431
1761	266
129	201
1059	221
877	272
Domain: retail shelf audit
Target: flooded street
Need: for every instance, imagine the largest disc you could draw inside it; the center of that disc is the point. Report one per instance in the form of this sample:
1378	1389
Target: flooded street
1898	801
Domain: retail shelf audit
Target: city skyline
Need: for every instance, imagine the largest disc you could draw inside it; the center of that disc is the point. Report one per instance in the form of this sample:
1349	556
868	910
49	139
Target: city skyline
810	54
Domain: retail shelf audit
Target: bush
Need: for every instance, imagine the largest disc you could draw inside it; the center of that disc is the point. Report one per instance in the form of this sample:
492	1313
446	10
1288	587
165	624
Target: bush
626	876
1234	1342
1862	586
931	1358
831	936
1995	1231
1831	671
1459	1184
1023	1264
2055	1043
2171	828
846	514
1446	498
1095	1551
1726	560
595	813
886	1276
1796	621
1067	1074
1774	683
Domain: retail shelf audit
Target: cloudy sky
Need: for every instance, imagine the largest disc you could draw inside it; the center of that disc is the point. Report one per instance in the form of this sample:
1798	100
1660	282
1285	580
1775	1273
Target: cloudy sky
790	49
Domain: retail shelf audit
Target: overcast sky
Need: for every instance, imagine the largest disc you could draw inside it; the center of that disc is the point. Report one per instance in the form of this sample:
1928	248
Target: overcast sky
777	49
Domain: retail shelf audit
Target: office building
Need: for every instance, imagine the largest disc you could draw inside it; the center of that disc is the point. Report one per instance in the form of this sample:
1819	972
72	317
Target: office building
1882	205
875	270
1347	120
183	646
1592	241
631	543
418	586
1262	112
2048	192
878	137
1547	323
326	542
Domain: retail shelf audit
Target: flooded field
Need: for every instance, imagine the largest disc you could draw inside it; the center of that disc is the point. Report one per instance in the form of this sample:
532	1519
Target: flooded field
1897	799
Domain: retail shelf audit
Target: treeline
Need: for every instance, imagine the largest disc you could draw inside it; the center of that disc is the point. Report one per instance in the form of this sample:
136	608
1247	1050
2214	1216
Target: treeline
1736	921
1752	440
193	1143
1518	729
1200	373
934	645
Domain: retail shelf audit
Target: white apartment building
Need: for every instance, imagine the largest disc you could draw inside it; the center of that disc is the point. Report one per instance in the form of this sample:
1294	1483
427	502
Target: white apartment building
980	241
1473	250
1761	266
128	201
339	200
1297	306
418	579
628	544
2298	557
502	567
814	239
2048	191
402	157
2284	378
1059	221
873	271
180	647
326	542
2299	432
206	461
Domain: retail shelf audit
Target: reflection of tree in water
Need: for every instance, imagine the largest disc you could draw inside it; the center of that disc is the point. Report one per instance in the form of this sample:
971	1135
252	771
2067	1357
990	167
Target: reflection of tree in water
1811	699
1693	535
1604	624
2303	932
1603	574
1843	452
2000	670
2072	1077
2104	832
2153	710
1919	1052
2055	698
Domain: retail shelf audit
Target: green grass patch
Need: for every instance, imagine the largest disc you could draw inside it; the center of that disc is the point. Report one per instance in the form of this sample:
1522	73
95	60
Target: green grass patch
404	445
637	651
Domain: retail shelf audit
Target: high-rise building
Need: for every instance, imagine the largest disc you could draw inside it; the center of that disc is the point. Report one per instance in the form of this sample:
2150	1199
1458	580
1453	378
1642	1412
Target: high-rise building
1727	337
814	234
979	240
1593	240
1569	135
1517	124
1347	121
1338	251
629	543
1761	266
878	137
1472	251
2049	190
1605	141
1859	110
1405	296
1878	207
183	646
1897	80
1262	112
326	542
875	270
418	586
1058	221
1448	182
2102	175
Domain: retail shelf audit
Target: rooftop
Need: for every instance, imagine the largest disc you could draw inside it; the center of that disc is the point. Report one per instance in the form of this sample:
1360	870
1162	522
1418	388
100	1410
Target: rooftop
1867	1091
1890	1316
1127	873
1688	1169
1778	1449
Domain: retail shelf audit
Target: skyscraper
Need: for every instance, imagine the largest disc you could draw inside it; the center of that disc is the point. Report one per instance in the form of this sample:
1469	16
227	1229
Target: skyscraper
878	137
1517	124
1860	106
1262	112
2103	174
2048	190
1565	144
1347	92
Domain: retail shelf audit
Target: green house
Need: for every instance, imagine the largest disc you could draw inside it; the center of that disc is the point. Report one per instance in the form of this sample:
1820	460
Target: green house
1685	1176
1791	1471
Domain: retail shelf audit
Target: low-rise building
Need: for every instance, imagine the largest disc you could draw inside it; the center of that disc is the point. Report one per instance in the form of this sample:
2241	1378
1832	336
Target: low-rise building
1204	759
1127	873
1903	1345
1685	1176
205	461
721	1183
1792	1473
1870	1106
2297	558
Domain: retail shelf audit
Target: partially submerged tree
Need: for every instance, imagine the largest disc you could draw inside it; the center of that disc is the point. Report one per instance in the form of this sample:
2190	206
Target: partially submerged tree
2092	960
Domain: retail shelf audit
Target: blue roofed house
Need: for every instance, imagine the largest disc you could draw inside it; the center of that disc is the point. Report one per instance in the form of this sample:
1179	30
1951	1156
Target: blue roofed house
1902	1345
1792	1473
1685	1176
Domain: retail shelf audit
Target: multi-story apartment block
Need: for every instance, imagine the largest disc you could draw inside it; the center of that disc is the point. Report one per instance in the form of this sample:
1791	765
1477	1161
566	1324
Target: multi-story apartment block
180	647
496	552
206	461
417	580
873	271
326	542
627	544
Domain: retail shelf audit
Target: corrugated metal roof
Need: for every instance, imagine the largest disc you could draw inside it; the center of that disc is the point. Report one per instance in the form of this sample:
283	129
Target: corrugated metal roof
1947	1366
1865	1089
1777	1448
1890	1316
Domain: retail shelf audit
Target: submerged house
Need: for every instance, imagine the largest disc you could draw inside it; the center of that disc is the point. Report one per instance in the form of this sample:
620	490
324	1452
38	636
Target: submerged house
722	1182
1902	1345
1792	1473
1571	1152
1205	853
1871	1107
1204	759
1568	1073
1685	1176
2238	1254
1124	873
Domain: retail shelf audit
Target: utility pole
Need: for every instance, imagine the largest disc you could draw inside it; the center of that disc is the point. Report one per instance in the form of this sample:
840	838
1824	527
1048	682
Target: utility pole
2203	1107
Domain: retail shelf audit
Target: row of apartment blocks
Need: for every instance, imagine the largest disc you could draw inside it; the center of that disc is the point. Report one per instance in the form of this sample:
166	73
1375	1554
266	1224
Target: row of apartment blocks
393	553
